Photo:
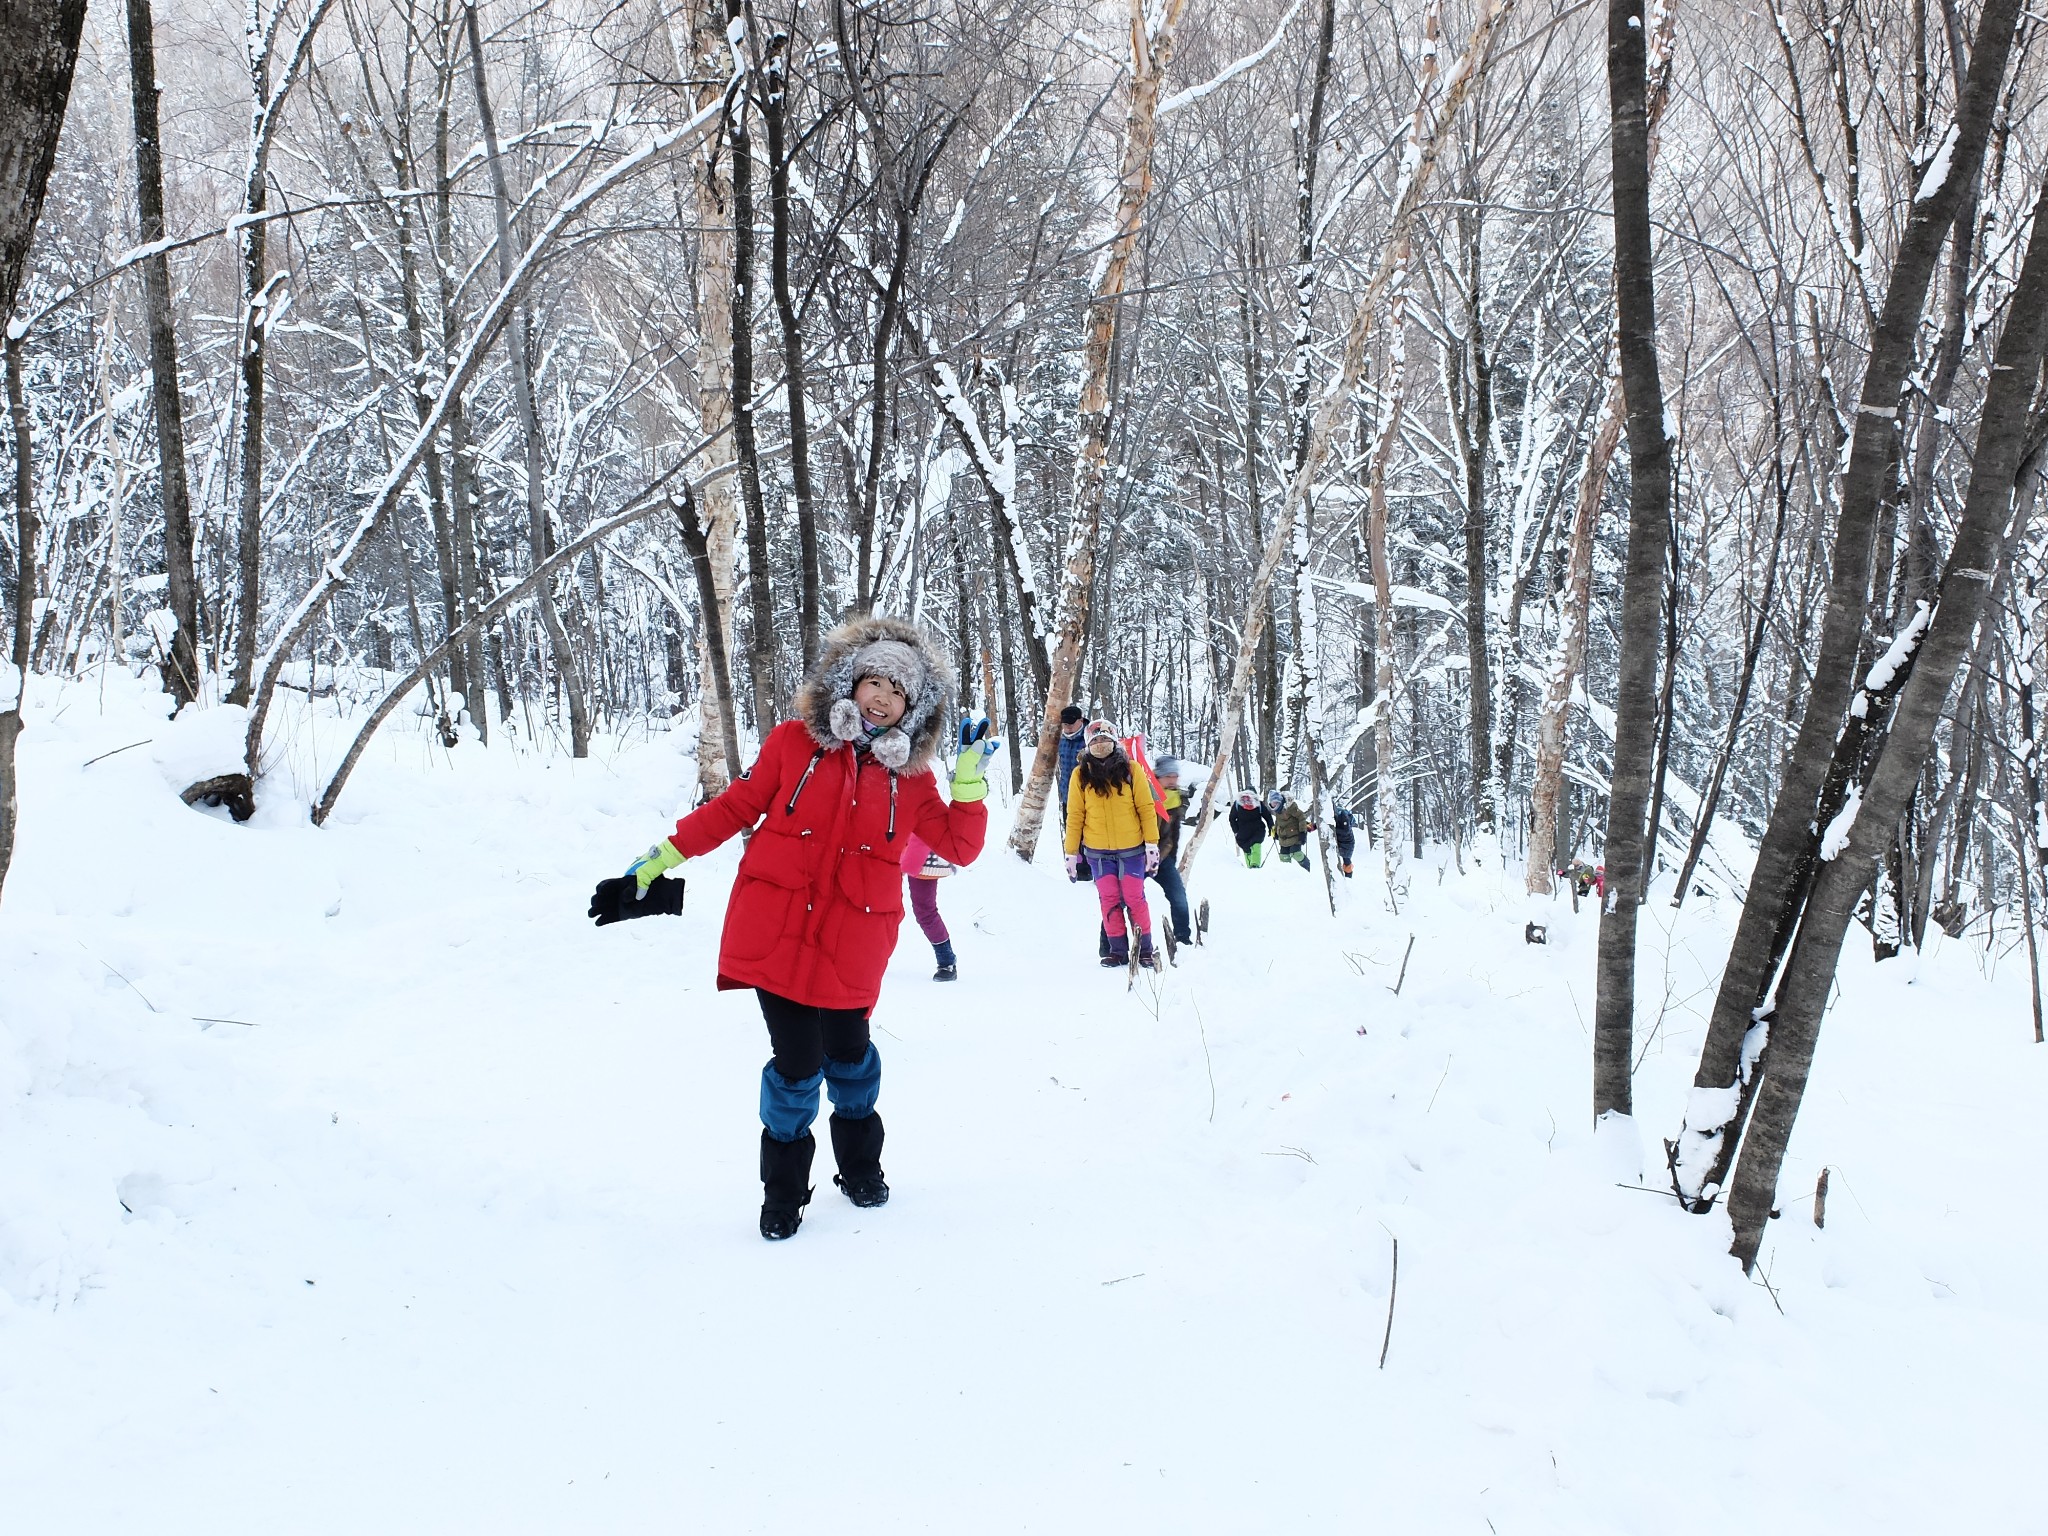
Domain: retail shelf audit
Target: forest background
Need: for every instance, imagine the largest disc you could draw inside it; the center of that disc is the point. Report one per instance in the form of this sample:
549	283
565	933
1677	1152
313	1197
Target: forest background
1322	390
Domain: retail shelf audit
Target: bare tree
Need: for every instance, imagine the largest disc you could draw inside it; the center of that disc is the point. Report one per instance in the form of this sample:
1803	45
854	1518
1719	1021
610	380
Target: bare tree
181	675
1728	1074
1151	53
38	51
1892	763
1649	451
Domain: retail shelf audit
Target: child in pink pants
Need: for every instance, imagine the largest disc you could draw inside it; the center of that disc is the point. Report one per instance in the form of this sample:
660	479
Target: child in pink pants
924	869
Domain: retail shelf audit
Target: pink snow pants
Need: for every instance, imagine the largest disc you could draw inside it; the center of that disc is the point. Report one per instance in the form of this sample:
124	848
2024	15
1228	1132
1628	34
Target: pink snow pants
924	905
1120	883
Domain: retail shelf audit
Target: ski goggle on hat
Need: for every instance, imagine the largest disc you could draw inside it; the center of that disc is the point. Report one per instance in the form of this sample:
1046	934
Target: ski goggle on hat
1101	730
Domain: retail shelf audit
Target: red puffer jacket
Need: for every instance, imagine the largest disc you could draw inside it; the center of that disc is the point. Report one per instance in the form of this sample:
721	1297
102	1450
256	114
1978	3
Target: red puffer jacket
819	896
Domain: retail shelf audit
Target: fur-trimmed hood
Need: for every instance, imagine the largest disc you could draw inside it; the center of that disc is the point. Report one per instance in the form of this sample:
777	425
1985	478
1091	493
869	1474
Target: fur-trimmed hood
909	659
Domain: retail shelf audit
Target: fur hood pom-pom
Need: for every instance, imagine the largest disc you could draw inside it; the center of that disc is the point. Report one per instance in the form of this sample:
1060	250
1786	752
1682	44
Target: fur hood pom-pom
891	747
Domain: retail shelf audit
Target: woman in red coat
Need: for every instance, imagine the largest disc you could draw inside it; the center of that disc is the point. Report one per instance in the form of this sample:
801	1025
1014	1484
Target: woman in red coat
833	799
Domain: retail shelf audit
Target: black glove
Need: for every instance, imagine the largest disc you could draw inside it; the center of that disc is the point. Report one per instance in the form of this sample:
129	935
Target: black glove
616	900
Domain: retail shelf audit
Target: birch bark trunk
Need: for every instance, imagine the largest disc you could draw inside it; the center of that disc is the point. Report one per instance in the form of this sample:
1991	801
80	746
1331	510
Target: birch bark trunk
1151	54
700	59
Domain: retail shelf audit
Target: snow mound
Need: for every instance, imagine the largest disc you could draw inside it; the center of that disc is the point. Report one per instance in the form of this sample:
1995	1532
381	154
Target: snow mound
203	742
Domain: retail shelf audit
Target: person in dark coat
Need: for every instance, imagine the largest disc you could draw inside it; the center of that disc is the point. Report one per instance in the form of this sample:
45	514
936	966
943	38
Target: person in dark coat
1073	739
1173	811
1291	828
1346	833
1249	824
832	800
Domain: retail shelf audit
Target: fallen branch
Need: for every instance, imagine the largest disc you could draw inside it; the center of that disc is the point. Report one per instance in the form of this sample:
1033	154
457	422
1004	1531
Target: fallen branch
116	752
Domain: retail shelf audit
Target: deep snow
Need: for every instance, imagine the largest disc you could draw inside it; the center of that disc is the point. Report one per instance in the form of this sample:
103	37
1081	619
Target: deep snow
350	1180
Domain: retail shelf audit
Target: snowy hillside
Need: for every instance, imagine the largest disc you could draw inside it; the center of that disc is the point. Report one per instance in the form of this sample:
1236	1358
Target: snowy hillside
350	1180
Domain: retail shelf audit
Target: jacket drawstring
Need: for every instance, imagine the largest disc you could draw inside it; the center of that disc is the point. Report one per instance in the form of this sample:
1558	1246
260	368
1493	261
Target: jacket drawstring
819	756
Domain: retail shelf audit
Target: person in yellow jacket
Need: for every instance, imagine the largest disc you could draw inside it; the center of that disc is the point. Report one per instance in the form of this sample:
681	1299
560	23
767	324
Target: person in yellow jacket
1111	816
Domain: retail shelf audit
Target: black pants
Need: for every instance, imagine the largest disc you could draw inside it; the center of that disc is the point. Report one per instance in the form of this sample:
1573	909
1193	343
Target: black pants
802	1037
814	1048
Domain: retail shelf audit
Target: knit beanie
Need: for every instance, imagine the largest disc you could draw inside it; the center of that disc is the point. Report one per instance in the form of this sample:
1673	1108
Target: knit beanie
894	662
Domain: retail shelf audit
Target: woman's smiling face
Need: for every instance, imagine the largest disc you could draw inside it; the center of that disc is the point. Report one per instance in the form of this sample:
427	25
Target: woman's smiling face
880	702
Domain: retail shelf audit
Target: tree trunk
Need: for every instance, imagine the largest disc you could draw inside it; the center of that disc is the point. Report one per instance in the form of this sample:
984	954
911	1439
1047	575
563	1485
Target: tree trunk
1575	603
882	395
1725	1082
1310	704
699	60
1478	434
181	671
1642	611
519	351
1151	54
461	472
1011	718
38	52
698	545
1983	545
256	298
997	469
774	107
763	671
1393	400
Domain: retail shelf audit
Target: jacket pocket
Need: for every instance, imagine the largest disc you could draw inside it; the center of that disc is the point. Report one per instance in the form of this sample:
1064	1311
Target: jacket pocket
872	881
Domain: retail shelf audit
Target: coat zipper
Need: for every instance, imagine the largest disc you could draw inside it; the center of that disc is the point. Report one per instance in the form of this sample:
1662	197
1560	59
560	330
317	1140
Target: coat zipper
816	758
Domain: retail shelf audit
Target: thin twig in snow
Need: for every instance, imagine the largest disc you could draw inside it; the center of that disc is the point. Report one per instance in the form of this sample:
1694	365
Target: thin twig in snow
1393	1284
129	748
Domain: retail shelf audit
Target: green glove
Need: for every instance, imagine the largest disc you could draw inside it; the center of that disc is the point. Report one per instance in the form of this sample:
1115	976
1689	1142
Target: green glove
654	863
977	746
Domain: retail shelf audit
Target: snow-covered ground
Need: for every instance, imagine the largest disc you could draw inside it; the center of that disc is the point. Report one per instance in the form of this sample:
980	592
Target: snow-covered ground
350	1180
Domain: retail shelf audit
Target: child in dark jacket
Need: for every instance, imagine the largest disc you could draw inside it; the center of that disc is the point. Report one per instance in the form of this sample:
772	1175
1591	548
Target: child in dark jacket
1249	824
1347	838
1291	828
